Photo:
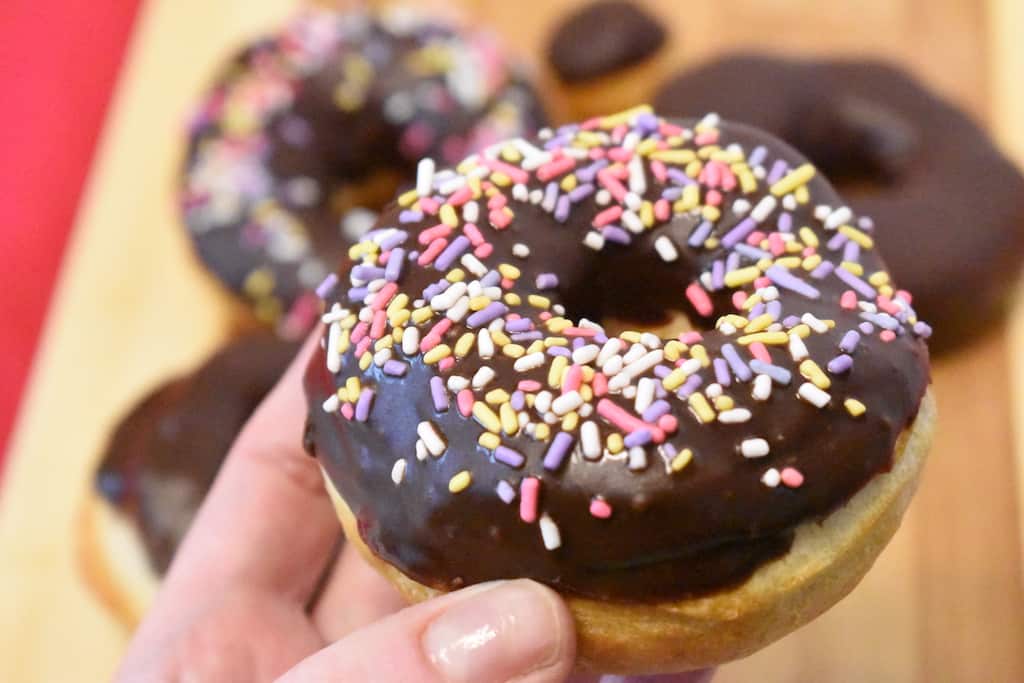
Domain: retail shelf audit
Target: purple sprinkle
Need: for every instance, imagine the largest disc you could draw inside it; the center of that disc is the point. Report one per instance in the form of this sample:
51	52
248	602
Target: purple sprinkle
866	223
851	252
752	253
862	288
823	269
559	351
395	368
738	367
722	374
325	288
439	394
433	290
367	273
581	192
393	240
493	311
689	386
757	156
490	279
527	336
409	216
550	195
717	274
783	278
837	240
779	169
774	309
586	175
357	293
453	251
413	255
922	329
562	209
517	400
779	374
672	193
547	281
363	404
578	343
739	233
646	123
395	262
662	371
640	437
849	341
757	310
600	338
614	233
840	364
866	327
732	261
505	491
519	325
883	320
700	234
785	222
508	456
790	321
680	178
656	410
559	448
669	451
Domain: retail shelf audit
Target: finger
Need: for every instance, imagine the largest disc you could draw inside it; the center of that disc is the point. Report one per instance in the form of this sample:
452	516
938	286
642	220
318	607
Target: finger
501	631
355	595
267	523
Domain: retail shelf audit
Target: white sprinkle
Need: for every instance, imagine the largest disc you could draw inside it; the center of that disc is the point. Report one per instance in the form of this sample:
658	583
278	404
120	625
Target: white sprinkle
633	201
594	240
431	438
710	120
822	211
425	177
484	344
542	403
566	402
382	357
483	377
457	383
473	265
666	249
740	207
610	348
771	478
769	293
603	197
628	392
333	350
635	351
529	361
797	349
867	307
789	203
585	354
357	222
754	448
644	395
714	390
334	315
838	218
690	366
637	179
459	310
762	390
612	366
421	450
632	222
398	471
447	298
536	196
520	192
586	410
814	323
728	329
764	208
650	340
643	364
637	458
331	404
549	533
520	250
813	395
590	439
471	212
734	416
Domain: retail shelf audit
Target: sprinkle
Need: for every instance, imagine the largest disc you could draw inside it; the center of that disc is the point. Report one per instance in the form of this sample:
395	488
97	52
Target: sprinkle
590	440
364	404
813	395
398	471
510	457
549	533
792	477
438	394
425	177
666	250
460	482
811	371
505	492
854	407
795	178
762	389
734	416
840	364
486	417
771	478
556	453
681	460
529	492
600	508
431	438
699	299
754	448
395	368
849	341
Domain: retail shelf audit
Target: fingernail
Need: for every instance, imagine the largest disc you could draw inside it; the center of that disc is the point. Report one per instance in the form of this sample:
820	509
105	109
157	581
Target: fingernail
498	634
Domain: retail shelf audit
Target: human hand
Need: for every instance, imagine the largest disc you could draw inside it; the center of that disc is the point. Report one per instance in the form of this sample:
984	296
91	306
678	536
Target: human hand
234	605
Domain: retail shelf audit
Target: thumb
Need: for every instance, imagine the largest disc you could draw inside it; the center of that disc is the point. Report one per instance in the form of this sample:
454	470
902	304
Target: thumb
492	632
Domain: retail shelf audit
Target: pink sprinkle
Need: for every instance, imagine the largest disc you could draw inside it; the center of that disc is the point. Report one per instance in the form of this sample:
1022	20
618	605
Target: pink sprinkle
887	336
573	379
384	296
760	352
776	244
529	491
608	180
545	315
738	298
484	250
905	295
439	328
382	260
579	332
762	281
432	252
711	174
507	283
380	319
528	385
555	167
446	363
499	219
728	179
428	343
596	153
848	300
347	411
464	400
612	213
792	477
363	346
809	251
460	196
476	238
432	233
699	298
713	198
691	337
358	332
627	422
662	209
709	137
659	171
600	509
669	423
591	124
754	239
429	205
599	384
887	305
669	129
498	201
619	132
517	175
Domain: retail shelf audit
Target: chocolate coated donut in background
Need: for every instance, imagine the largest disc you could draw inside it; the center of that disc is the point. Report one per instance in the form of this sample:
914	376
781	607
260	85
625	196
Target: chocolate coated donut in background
330	114
162	458
948	205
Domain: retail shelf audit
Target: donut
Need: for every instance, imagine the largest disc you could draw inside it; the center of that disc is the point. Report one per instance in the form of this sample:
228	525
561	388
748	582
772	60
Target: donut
953	203
693	497
330	114
160	462
606	54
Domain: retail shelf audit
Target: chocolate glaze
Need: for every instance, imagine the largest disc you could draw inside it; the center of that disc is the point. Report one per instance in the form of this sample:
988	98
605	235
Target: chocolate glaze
328	115
701	530
949	204
162	458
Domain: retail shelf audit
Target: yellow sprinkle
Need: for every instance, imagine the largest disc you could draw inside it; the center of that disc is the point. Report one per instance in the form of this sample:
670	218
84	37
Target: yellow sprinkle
857	236
855	268
383	343
448	216
466	165
792	180
342	394
510	153
464	344
681	460
724	402
854	407
751	301
759	323
886	290
512	299
615	443
802	194
748	183
801	330
407	198
674	379
742	276
538	301
437	354
496	397
788	262
770	338
632	336
542	432
489	440
509	419
693	169
570	421
365	360
646	147
794	246
512	350
690	198
556	370
343	341
474	184
422	315
509	271
711	213
674	350
486	417
460	482
500	338
537	346
811	371
764	263
455	275
500	179
701	410
397	331
625	116
588	373
556	325
711	243
647	213
555	341
400	301
586	393
737	321
674	156
352	386
479	303
878	278
568	183
811	262
808	237
701	354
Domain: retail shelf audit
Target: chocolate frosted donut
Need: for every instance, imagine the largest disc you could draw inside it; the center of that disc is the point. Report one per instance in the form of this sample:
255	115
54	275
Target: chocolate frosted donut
478	423
949	205
163	457
330	114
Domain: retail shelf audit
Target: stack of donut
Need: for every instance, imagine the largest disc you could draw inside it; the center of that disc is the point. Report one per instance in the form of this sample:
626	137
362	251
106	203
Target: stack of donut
693	497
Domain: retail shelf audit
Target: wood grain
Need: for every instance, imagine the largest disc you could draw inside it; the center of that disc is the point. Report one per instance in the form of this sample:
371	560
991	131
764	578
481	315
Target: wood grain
944	601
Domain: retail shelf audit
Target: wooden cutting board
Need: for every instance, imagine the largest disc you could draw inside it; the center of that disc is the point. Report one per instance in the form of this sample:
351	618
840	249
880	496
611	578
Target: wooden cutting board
944	601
